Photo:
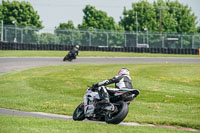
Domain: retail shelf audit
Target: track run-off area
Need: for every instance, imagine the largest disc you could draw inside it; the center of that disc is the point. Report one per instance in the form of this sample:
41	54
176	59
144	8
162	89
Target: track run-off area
10	64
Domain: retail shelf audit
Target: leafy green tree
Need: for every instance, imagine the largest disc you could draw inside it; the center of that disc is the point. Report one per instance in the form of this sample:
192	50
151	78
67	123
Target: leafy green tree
146	17
1	14
20	13
161	16
141	17
166	20
48	38
186	20
97	19
67	33
68	25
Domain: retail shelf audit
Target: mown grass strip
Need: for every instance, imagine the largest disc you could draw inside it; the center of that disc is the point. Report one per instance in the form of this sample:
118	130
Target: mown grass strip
21	53
16	124
169	92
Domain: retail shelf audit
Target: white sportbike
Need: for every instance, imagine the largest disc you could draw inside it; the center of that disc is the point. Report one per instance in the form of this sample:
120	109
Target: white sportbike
93	109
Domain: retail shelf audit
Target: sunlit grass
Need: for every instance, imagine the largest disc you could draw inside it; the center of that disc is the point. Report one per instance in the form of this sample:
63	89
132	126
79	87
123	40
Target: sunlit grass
169	92
16	124
32	53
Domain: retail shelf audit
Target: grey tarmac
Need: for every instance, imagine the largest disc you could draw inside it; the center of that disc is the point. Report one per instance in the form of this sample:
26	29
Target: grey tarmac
9	64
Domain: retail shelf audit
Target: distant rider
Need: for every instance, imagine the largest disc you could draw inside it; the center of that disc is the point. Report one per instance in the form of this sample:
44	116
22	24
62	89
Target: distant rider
74	51
122	81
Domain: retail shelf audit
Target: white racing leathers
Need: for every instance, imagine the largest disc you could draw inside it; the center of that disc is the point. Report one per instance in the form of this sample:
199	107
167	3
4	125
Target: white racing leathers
107	104
121	82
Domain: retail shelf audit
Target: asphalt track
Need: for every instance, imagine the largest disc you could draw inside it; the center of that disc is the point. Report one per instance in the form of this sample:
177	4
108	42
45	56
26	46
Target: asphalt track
9	64
14	63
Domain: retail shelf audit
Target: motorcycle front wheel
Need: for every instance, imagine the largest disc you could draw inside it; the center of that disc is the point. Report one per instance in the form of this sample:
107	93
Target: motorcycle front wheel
65	58
118	116
78	114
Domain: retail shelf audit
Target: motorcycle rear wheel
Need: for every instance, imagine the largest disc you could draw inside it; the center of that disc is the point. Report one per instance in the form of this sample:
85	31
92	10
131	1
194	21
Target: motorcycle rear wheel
78	114
119	116
69	57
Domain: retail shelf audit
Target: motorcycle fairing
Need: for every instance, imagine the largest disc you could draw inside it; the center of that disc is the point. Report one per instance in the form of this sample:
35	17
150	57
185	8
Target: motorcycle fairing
89	102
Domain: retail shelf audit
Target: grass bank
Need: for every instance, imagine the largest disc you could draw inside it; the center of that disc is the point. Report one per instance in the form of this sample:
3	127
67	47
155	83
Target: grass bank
21	53
169	92
15	124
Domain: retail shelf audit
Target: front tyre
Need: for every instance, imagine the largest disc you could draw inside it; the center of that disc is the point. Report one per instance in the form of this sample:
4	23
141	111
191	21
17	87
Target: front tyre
78	114
65	58
119	115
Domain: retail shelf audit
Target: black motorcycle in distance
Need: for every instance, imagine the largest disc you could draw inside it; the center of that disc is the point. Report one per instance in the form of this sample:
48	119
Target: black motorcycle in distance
69	57
72	53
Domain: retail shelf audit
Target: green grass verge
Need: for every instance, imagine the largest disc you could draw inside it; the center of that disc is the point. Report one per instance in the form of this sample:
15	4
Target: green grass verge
169	92
15	124
20	53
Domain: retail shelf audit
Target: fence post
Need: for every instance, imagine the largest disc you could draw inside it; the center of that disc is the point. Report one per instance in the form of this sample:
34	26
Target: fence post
90	38
181	41
125	39
107	39
163	41
2	30
21	35
192	41
136	29
38	38
5	34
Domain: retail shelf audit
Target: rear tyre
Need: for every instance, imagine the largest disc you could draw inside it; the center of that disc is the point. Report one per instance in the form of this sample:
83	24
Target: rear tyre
119	116
78	114
69	57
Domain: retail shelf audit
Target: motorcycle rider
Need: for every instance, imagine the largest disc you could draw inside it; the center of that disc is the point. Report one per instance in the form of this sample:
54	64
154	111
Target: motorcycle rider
122	81
74	51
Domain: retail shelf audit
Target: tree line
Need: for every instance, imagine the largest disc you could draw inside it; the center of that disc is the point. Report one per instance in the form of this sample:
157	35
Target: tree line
160	17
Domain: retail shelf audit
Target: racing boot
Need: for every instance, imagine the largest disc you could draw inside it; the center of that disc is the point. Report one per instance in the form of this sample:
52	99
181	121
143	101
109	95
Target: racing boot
107	104
104	96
